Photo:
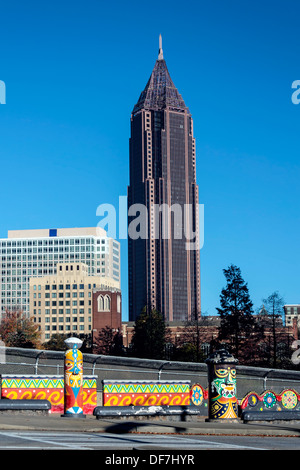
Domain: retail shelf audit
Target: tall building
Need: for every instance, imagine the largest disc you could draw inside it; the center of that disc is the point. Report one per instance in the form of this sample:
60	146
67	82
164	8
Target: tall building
35	253
162	272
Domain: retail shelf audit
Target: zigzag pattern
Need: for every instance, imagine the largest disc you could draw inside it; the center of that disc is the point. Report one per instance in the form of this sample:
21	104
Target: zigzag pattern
32	383
89	383
146	388
13	382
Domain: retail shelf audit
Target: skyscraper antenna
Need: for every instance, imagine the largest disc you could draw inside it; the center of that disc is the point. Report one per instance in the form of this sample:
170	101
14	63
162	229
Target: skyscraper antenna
160	52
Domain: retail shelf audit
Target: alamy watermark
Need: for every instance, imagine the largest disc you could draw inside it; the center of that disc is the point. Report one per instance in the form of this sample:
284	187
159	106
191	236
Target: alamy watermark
159	222
296	94
2	92
296	355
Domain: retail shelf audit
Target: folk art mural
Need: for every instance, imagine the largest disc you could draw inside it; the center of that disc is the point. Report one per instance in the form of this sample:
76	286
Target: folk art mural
223	399
145	393
51	388
76	394
73	394
73	380
287	399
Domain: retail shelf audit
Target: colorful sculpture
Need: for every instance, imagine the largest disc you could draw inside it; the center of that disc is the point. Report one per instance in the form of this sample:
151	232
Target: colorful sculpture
223	402
73	379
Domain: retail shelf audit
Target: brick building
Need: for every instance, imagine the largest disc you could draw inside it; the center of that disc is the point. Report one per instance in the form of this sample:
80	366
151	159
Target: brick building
209	330
106	309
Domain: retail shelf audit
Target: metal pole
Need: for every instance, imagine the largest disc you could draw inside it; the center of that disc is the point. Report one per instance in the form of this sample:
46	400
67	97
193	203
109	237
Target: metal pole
94	364
161	367
37	361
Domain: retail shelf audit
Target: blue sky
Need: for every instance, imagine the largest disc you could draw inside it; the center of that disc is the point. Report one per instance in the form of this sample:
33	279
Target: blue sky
73	72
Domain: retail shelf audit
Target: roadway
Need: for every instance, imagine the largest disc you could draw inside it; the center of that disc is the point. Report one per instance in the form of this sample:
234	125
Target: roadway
182	446
19	431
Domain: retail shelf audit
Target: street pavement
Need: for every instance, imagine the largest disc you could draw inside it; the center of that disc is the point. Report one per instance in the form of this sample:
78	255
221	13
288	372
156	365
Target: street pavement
55	422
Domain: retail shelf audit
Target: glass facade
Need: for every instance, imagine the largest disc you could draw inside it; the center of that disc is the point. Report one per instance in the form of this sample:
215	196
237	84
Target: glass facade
22	259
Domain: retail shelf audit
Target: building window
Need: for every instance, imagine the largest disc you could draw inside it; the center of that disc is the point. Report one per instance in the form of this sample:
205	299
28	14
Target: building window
100	301
103	303
107	303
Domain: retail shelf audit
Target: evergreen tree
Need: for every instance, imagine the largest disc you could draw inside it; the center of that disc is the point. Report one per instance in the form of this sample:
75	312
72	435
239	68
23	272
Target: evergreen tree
150	336
56	342
238	327
108	342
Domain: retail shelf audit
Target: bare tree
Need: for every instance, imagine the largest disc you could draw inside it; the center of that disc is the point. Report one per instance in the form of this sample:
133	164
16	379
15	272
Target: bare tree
270	316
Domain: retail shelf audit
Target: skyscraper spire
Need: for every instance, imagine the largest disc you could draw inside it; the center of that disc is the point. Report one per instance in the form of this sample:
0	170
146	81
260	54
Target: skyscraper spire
160	91
160	52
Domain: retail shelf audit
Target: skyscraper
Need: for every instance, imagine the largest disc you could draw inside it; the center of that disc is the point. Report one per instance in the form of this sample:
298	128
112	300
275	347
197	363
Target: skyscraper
162	272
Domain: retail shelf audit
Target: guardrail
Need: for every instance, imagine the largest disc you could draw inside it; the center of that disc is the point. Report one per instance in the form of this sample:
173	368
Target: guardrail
31	361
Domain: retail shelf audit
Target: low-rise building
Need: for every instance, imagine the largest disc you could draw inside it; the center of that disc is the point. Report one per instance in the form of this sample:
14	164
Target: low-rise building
107	309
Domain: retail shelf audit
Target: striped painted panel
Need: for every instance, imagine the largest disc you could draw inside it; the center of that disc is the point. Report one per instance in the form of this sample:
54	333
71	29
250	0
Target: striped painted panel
146	393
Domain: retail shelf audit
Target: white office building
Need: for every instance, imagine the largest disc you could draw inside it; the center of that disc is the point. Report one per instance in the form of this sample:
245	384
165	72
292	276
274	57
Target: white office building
35	253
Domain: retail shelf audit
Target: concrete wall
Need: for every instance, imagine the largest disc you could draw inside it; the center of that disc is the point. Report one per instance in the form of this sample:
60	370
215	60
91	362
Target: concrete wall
29	361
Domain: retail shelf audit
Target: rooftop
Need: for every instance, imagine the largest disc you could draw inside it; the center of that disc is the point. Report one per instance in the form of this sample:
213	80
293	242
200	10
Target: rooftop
57	232
160	91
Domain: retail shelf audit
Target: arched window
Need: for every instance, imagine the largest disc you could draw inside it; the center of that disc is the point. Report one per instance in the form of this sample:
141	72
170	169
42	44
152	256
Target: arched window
100	301
107	303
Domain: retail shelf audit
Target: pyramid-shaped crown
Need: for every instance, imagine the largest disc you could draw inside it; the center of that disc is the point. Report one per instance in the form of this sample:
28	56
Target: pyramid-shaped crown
160	91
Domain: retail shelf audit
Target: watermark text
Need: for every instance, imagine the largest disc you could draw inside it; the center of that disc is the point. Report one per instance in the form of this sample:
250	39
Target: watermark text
154	222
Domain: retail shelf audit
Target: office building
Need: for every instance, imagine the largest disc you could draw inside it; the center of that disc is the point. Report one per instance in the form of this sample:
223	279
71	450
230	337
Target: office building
291	314
162	273
63	302
26	254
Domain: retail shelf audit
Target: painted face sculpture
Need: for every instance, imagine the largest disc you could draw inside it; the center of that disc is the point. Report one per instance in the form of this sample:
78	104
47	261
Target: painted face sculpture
73	381
223	392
